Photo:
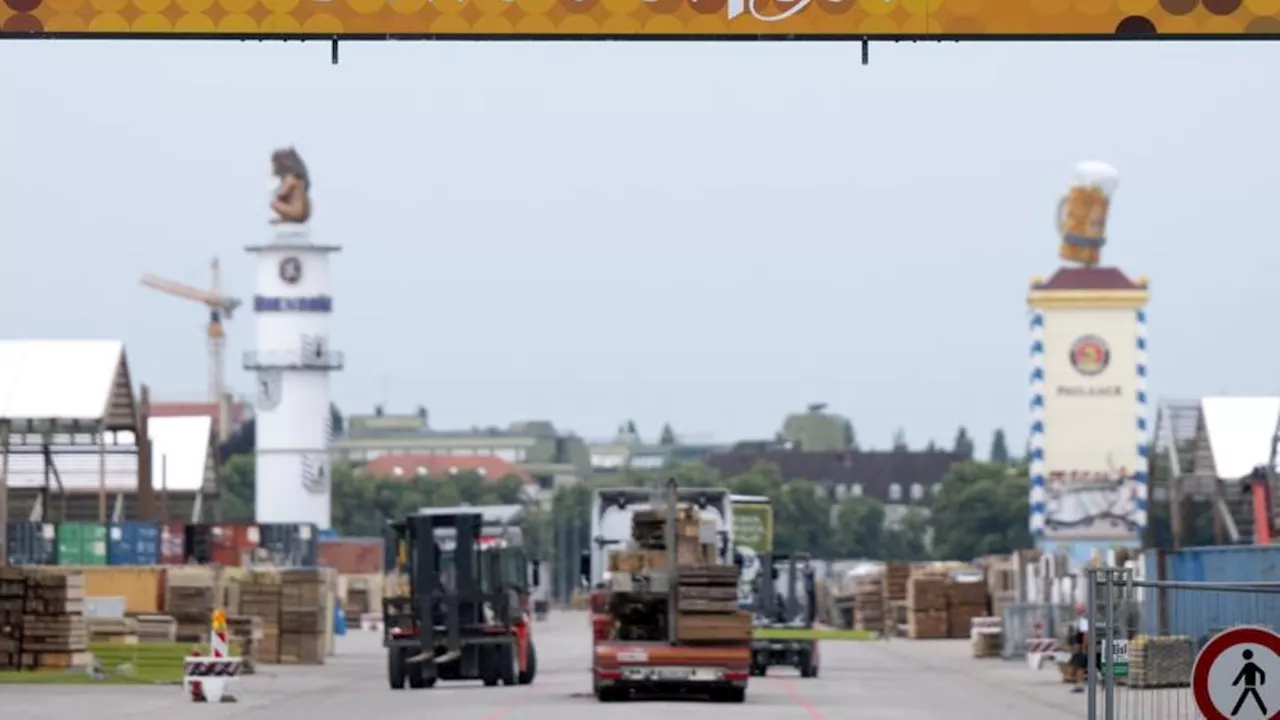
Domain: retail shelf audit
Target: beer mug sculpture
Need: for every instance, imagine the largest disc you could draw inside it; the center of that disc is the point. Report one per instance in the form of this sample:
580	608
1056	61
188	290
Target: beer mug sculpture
1082	214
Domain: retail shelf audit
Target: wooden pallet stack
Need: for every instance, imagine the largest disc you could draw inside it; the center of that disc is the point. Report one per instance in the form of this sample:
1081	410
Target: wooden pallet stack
927	607
190	601
894	605
245	632
869	605
54	633
302	616
1163	661
156	628
13	590
708	606
965	602
260	596
113	630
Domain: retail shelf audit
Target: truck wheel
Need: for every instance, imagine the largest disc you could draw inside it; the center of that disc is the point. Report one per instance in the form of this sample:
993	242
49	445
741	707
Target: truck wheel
395	668
610	694
489	660
508	664
529	673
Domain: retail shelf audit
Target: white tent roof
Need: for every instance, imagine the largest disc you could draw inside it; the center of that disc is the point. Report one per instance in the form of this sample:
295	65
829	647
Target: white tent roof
1241	432
180	448
57	379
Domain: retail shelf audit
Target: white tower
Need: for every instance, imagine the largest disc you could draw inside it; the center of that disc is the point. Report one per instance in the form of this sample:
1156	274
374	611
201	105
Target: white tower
293	360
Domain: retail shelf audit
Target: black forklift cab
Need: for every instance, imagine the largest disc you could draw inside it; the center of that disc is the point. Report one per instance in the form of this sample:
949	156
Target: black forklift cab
458	620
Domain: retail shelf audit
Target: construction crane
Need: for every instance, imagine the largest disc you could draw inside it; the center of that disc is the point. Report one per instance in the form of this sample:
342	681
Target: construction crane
220	306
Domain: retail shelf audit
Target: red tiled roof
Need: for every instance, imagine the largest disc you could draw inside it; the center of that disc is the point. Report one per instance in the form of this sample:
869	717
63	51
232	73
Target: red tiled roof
1089	278
239	411
492	468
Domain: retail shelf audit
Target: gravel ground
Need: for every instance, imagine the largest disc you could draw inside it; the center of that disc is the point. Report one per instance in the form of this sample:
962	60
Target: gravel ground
903	679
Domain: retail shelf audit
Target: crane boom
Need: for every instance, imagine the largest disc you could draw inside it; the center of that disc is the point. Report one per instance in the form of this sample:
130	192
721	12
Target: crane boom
177	289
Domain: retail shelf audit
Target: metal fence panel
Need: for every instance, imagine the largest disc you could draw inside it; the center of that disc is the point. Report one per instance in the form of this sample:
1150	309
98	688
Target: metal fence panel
1021	621
1145	636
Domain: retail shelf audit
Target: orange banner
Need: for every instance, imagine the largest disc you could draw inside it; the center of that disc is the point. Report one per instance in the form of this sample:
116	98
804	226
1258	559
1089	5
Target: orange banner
693	19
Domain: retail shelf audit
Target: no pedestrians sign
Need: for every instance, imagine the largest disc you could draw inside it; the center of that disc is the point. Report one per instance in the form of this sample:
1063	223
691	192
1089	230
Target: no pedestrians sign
1237	675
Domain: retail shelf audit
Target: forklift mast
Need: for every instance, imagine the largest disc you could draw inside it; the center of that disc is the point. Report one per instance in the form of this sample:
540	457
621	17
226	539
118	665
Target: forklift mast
800	578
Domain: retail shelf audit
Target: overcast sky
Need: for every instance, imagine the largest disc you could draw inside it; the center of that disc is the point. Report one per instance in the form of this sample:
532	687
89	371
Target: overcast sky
710	234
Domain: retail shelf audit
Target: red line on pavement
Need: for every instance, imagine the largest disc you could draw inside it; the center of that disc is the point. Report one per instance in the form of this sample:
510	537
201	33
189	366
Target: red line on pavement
501	711
792	692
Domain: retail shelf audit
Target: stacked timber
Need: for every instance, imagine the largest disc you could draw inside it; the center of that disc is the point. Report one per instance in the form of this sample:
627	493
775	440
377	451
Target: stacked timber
869	605
708	606
156	628
986	635
113	630
245	632
966	600
927	607
190	601
260	596
302	616
54	633
13	590
894	604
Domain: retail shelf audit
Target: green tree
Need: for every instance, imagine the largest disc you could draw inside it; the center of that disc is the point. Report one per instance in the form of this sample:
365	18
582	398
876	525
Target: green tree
963	444
335	419
999	448
900	440
802	520
982	509
850	437
237	488
668	436
908	539
859	527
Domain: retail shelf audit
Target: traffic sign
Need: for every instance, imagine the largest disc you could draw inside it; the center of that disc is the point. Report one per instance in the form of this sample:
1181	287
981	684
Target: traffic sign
1237	675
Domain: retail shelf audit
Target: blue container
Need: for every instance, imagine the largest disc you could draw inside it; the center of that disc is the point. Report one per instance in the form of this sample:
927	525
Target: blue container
133	543
32	543
1202	613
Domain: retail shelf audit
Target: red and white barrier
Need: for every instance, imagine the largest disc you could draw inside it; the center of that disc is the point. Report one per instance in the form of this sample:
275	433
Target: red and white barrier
205	679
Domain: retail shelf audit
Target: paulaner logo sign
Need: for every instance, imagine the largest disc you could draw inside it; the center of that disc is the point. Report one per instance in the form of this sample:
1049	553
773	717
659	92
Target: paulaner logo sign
1090	356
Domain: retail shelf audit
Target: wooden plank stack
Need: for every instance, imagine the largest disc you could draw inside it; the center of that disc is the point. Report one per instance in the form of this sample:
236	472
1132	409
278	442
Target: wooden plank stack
13	589
245	632
156	628
302	616
895	580
114	630
190	601
1163	661
54	633
869	604
965	602
927	607
260	596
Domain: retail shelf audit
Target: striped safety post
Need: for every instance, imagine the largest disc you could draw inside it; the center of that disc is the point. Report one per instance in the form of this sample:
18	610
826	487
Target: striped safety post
206	679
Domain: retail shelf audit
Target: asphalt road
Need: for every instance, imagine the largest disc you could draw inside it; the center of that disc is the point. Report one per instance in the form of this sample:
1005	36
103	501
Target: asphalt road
916	680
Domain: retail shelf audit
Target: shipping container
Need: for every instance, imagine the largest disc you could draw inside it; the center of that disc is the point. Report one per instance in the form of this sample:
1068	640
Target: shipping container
173	544
225	544
353	556
133	543
32	543
82	543
1200	613
288	544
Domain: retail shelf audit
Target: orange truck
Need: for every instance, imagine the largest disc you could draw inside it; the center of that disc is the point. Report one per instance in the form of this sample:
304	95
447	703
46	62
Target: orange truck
629	660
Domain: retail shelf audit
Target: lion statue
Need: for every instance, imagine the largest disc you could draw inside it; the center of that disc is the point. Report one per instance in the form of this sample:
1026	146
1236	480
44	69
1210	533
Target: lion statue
292	199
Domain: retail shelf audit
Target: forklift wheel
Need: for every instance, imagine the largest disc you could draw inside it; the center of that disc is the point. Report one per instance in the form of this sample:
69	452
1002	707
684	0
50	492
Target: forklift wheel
508	663
529	673
807	667
421	675
490	660
395	668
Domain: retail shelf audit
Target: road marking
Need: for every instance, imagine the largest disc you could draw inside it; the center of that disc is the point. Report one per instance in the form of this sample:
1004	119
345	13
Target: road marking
789	687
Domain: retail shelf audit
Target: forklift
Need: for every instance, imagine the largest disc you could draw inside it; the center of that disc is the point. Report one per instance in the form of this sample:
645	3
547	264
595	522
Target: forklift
458	615
787	622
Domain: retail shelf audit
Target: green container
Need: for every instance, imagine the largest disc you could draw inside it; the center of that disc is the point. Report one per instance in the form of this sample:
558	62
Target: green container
82	544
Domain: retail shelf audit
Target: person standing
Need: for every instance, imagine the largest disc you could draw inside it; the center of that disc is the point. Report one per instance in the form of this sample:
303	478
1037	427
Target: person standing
1080	639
